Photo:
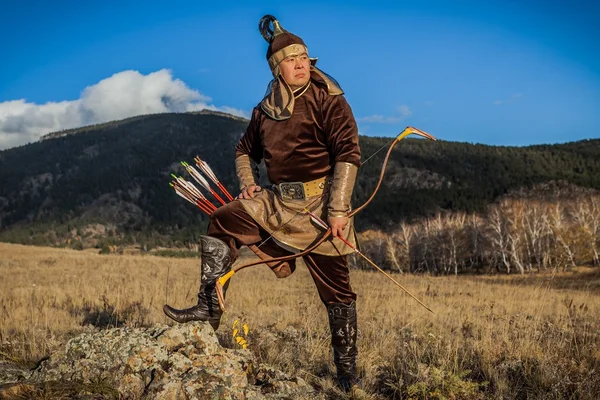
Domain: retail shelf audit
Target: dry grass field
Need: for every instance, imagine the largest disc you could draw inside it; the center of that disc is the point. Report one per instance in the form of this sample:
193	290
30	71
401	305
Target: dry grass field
502	337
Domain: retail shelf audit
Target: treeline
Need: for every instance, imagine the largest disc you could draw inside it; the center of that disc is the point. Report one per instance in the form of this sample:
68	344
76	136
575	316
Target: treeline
424	178
514	235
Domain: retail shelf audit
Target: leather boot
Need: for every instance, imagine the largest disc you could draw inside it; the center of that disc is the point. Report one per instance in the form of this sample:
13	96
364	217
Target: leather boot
342	322
216	261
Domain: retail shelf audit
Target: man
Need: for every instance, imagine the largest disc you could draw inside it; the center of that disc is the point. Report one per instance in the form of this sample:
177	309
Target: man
306	134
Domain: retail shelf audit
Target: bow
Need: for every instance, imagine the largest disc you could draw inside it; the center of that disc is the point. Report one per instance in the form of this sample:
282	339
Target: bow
409	130
323	225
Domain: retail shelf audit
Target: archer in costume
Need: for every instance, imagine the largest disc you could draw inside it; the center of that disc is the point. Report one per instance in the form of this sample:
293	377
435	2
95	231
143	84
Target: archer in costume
305	133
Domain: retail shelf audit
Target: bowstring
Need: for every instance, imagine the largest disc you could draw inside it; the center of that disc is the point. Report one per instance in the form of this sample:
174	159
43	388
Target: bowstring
381	148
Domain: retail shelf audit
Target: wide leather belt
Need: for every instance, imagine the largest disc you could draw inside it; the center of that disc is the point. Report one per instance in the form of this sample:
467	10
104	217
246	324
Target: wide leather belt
301	190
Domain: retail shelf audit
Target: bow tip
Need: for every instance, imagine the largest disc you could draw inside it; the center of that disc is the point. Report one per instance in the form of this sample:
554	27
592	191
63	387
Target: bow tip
422	133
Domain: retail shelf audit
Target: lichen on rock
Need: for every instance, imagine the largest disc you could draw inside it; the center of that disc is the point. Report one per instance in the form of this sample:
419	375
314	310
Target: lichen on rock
183	361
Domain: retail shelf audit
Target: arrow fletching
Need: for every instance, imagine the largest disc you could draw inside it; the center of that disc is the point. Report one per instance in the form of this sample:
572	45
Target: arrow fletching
206	169
317	220
199	178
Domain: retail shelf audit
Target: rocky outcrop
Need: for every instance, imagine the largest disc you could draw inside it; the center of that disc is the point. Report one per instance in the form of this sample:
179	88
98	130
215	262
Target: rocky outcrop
180	362
11	372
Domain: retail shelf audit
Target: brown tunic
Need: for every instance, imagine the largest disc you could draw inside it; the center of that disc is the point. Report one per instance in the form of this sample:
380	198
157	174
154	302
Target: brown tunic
320	132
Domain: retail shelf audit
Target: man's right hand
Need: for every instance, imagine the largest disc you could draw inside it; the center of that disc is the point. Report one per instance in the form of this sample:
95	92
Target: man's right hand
248	192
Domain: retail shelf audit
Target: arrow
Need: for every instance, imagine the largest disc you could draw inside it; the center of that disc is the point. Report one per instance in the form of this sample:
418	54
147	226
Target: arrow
209	172
192	193
202	181
323	225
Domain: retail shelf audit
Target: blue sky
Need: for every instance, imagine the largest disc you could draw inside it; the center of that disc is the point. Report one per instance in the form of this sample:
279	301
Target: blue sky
494	72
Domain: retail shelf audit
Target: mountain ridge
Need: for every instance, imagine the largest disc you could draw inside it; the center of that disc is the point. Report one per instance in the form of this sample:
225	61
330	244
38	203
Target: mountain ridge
117	174
86	128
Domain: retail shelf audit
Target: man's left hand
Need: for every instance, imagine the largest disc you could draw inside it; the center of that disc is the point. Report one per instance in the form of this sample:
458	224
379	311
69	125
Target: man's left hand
337	224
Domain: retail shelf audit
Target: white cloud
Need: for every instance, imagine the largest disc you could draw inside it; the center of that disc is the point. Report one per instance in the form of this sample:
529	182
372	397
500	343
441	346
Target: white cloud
513	97
379	119
402	111
125	94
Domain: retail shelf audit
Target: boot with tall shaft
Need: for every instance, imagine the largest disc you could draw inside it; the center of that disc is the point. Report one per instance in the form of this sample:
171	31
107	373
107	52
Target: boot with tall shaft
343	325
216	261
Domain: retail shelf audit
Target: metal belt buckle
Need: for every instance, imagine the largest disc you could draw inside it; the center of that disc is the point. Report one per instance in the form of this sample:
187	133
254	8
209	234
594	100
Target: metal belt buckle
292	191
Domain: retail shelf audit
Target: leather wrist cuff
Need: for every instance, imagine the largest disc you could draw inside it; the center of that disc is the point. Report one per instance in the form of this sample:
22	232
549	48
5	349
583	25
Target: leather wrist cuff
246	170
344	177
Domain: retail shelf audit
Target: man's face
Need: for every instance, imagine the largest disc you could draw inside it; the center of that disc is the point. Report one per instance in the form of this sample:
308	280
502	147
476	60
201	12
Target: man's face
296	70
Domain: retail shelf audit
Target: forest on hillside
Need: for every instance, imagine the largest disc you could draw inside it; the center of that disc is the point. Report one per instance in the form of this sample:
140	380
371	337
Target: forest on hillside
109	184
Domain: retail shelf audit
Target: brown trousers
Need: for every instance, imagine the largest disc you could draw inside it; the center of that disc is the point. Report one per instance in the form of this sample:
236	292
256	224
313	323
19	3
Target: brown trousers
234	226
